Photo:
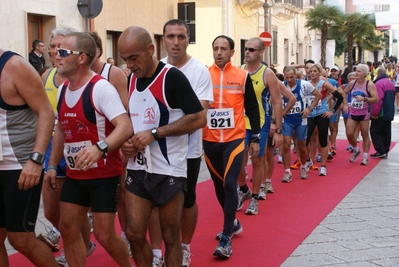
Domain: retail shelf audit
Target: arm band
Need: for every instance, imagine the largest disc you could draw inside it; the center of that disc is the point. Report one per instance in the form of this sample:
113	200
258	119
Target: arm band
52	168
339	98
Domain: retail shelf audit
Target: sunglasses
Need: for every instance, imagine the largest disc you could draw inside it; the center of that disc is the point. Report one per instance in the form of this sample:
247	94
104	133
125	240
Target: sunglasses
66	52
250	49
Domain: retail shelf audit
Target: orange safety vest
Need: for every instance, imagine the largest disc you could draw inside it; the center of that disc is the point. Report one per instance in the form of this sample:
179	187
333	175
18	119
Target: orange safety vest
228	92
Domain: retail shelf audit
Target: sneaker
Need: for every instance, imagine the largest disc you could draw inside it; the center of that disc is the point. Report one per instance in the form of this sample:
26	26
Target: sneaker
61	260
128	247
92	247
275	151
355	154
365	161
269	187
90	216
333	151
358	139
349	148
279	159
296	165
330	156
237	229
318	158
51	238
287	177
242	197
378	155
223	249
262	194
253	207
323	171
157	262
186	258
304	173
308	164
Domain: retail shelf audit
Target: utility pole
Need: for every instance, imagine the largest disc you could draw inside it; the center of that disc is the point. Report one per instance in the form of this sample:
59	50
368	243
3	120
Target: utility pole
267	18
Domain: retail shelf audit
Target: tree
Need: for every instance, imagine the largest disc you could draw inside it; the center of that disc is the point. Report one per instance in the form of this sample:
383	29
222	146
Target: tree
322	18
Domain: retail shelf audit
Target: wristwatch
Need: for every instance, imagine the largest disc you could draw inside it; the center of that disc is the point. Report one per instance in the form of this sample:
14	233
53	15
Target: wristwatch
37	157
279	131
154	132
102	146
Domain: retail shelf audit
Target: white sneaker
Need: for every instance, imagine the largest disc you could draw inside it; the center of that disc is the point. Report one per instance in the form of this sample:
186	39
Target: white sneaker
269	187
262	193
186	258
279	159
253	207
365	161
287	177
323	171
157	262
51	238
304	173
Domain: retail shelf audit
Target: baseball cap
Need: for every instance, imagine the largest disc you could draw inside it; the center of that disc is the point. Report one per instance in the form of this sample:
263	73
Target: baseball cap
334	68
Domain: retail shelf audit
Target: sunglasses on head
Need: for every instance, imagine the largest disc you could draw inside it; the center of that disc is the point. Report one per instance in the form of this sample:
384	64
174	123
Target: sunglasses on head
66	52
250	49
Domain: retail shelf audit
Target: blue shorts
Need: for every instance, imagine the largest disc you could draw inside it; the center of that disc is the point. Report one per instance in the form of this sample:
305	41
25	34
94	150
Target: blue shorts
334	118
301	131
262	142
61	167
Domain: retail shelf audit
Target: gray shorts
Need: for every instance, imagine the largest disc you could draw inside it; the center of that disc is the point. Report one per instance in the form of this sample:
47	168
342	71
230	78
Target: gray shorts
155	187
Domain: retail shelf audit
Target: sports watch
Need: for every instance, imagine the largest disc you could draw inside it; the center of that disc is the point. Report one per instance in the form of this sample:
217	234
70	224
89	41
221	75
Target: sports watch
279	130
154	132
37	157
102	146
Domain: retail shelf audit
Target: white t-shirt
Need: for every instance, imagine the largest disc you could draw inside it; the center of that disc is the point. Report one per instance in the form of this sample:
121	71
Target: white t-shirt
105	98
200	80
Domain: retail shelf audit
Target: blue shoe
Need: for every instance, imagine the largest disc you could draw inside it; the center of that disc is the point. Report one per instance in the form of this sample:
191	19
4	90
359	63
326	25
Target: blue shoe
223	250
318	158
237	229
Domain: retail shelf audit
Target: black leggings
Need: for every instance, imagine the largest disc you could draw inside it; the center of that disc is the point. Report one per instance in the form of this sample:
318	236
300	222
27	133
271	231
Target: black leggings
322	126
224	161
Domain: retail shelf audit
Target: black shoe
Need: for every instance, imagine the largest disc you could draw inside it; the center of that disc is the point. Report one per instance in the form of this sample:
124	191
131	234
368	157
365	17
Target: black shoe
378	155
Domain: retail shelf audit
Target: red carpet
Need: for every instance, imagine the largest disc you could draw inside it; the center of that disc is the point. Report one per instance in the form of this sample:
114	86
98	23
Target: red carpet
285	219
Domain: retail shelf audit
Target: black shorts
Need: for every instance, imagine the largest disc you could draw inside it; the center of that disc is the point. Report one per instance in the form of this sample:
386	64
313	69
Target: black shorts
357	117
18	208
101	194
155	187
397	89
270	141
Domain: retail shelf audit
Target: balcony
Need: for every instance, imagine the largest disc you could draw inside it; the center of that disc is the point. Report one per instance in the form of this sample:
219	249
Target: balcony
254	4
287	9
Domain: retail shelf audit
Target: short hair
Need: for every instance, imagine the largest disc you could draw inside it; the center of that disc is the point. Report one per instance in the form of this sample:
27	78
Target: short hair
85	44
36	43
176	22
231	42
351	74
363	67
98	41
381	71
260	42
62	31
318	66
309	61
289	68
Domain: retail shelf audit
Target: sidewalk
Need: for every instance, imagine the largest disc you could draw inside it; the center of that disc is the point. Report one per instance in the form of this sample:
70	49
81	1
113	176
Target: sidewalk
363	230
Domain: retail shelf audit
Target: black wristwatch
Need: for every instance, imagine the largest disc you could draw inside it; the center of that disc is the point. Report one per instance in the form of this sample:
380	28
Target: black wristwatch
102	146
154	132
37	157
279	131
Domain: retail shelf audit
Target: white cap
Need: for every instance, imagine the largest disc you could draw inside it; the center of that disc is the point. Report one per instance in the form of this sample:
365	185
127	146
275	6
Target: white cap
334	68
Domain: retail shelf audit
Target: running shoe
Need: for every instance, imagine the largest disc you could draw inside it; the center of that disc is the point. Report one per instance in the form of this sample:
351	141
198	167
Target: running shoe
308	164
242	197
279	159
269	187
186	258
318	157
90	216
128	247
330	156
378	155
349	148
158	262
61	259
253	207
223	249
365	161
51	238
262	193
296	165
237	229
287	177
333	151
304	173
355	154
323	171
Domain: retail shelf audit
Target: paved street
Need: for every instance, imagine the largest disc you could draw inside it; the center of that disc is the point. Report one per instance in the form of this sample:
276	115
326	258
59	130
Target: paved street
363	230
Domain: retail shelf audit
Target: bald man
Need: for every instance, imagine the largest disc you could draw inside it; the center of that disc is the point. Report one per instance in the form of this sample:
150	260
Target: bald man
164	110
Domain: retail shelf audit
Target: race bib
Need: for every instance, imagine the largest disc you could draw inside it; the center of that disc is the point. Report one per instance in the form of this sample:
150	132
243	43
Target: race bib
357	104
71	150
296	109
220	118
143	158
